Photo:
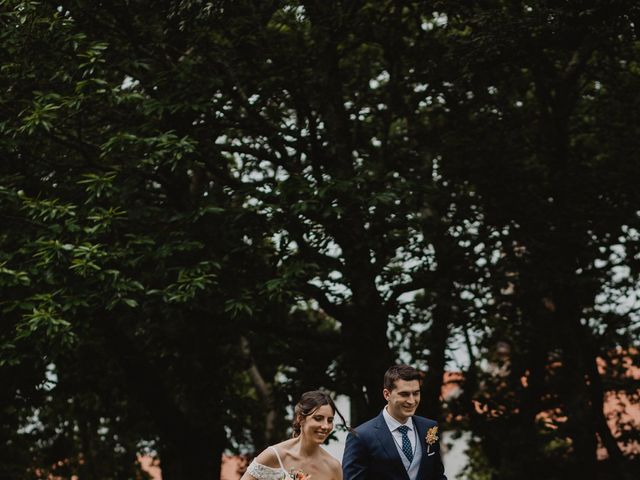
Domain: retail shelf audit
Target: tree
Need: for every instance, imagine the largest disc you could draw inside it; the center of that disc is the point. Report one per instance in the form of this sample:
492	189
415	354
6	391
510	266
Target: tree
133	264
539	107
247	199
334	118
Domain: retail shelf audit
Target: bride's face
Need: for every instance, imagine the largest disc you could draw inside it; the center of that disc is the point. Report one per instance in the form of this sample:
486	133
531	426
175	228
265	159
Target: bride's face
318	425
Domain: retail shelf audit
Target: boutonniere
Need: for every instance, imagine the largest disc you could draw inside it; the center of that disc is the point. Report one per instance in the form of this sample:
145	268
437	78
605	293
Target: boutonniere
431	437
296	475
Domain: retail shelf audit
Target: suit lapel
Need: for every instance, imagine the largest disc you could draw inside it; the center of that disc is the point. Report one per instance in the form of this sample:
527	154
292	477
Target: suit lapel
389	445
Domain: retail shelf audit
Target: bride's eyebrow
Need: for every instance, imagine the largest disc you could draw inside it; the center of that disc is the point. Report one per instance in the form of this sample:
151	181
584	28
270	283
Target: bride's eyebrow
319	415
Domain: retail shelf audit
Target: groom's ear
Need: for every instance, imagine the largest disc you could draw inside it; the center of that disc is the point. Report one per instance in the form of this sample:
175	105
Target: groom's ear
386	394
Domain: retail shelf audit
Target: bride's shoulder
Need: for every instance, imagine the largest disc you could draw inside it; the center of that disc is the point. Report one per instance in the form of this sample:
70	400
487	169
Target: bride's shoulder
268	458
264	467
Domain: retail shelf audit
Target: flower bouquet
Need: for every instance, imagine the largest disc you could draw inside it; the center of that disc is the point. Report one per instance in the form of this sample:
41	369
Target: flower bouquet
296	475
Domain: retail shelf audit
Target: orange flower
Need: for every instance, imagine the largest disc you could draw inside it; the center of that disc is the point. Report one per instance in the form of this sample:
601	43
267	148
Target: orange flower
298	475
432	437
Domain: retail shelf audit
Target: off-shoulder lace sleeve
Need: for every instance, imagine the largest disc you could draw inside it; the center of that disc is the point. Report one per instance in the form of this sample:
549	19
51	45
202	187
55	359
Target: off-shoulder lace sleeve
262	472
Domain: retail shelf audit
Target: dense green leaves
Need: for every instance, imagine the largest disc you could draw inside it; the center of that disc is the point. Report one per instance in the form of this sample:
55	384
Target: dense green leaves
208	207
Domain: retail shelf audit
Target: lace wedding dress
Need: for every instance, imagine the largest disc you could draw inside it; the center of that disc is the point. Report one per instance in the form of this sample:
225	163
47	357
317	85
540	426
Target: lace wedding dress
262	472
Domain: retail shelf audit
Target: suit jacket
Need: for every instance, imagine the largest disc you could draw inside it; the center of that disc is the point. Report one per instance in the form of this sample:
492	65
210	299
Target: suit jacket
371	454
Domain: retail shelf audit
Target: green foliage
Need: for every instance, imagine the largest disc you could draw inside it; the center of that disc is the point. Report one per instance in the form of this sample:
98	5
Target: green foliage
130	269
192	192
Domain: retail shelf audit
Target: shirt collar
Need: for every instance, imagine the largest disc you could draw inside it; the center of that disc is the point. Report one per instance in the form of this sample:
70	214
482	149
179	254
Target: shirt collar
392	423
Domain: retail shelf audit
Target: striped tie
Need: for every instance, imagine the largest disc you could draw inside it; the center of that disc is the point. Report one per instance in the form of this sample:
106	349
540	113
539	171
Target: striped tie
406	444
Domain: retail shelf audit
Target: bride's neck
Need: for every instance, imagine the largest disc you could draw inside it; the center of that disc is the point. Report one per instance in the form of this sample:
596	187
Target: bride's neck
305	447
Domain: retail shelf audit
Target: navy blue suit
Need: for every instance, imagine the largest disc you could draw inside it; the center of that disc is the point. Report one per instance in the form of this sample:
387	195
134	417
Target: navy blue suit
371	453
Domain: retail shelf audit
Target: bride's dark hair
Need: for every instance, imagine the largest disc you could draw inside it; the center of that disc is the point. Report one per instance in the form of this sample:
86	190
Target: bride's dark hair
309	402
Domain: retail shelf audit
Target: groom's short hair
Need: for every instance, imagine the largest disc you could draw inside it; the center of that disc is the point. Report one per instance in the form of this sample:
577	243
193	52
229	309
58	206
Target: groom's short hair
400	372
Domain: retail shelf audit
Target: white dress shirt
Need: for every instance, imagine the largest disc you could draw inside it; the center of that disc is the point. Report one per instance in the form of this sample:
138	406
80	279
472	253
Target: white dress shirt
393	424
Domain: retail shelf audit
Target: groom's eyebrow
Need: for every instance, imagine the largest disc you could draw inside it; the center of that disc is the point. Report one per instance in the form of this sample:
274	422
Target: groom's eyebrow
407	392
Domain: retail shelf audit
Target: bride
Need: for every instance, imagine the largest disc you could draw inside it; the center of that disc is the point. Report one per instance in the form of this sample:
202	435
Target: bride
300	457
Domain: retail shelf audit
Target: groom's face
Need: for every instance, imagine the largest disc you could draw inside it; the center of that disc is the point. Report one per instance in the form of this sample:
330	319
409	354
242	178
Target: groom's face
403	399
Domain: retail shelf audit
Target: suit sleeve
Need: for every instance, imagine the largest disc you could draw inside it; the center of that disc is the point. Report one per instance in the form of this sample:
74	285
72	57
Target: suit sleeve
355	461
439	467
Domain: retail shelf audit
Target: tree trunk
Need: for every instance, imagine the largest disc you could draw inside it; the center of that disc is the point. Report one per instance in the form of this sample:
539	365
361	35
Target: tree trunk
367	356
431	404
265	436
575	392
597	393
192	454
186	451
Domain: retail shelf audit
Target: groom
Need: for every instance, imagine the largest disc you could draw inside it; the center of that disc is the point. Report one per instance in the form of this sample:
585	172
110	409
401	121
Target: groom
396	445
